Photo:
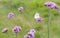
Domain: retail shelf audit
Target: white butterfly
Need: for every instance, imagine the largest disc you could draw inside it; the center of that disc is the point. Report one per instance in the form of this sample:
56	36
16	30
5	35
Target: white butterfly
37	16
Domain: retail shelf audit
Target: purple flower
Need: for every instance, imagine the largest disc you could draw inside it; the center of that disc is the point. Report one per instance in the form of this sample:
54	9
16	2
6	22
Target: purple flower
10	15
20	9
30	34
5	30
16	29
51	5
39	19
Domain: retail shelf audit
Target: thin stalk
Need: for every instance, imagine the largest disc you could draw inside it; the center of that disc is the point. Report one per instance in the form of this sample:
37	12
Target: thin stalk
49	21
16	35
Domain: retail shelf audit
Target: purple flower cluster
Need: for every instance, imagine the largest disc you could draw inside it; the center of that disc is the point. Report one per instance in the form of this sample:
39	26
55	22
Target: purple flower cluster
5	30
51	5
30	34
10	15
20	9
16	29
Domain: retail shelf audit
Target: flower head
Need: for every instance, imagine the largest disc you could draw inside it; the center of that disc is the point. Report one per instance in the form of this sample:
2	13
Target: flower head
39	19
16	29
31	32
20	8
10	15
51	5
5	30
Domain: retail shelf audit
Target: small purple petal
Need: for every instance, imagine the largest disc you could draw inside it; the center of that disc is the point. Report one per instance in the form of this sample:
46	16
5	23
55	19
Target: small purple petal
39	19
32	30
27	36
54	7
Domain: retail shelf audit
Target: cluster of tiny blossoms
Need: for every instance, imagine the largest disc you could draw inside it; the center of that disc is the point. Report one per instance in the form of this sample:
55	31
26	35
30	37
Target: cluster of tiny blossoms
16	29
5	30
10	15
51	5
31	34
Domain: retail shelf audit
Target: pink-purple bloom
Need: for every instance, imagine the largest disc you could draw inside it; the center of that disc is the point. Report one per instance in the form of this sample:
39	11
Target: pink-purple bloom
5	30
31	34
51	5
10	15
16	29
39	19
20	8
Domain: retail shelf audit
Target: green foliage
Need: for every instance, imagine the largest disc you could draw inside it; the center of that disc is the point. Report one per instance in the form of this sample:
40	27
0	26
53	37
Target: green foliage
26	20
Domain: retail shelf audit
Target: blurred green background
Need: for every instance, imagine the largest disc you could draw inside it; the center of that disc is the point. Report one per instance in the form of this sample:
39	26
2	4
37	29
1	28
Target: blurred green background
26	20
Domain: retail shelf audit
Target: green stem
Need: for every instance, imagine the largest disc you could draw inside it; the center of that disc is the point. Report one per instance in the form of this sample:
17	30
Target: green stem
16	35
49	21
